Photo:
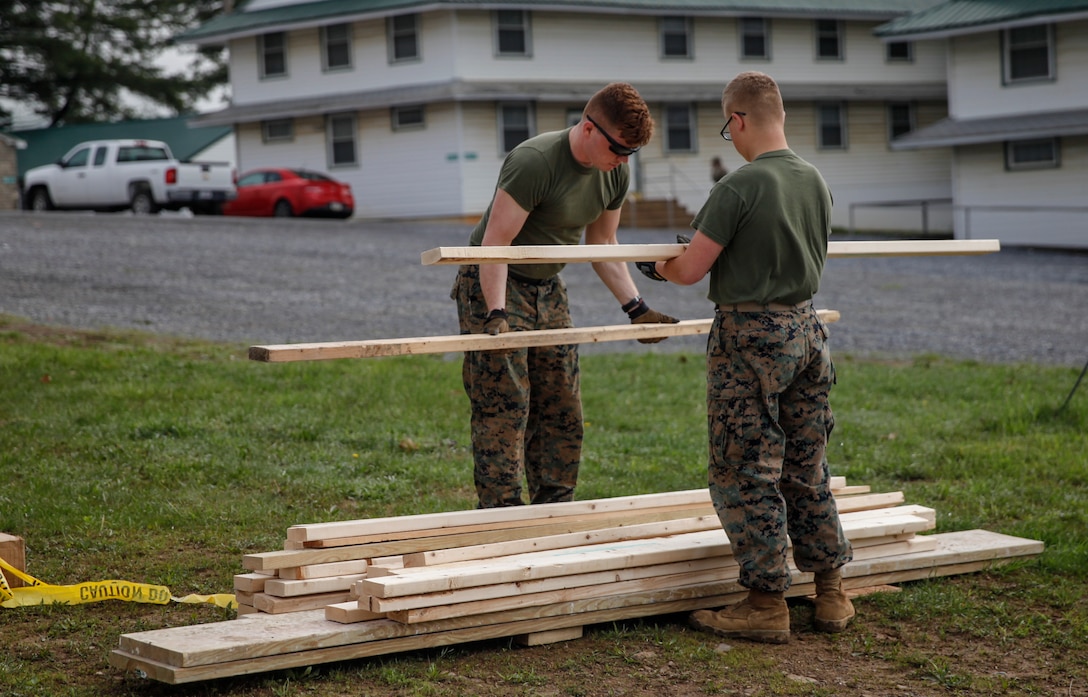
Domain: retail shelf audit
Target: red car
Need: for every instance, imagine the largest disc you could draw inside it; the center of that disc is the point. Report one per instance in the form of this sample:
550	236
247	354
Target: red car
283	192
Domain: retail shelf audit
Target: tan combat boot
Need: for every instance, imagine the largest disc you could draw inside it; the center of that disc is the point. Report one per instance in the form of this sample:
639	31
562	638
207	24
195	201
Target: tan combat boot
833	609
761	617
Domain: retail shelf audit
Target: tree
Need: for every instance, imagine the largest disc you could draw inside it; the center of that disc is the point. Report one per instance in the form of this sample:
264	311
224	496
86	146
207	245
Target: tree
85	60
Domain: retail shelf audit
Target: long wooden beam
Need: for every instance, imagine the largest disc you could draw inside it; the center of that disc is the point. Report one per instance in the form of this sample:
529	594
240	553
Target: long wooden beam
382	348
566	254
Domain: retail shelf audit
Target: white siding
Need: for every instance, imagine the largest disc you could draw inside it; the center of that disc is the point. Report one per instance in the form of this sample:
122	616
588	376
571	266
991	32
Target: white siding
983	183
975	88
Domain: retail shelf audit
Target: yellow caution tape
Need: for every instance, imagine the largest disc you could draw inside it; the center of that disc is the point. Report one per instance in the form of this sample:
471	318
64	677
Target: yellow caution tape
38	593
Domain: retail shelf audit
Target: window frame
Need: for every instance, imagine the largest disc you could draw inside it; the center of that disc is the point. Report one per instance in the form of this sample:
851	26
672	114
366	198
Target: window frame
1014	165
822	125
764	36
912	116
908	58
332	139
664	32
393	33
498	28
264	53
1008	58
267	135
819	34
690	127
327	45
398	124
504	130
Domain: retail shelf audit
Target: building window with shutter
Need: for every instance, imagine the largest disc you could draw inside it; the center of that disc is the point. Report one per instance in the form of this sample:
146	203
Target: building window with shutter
755	38
341	136
512	35
1028	53
403	37
831	122
336	47
676	37
272	50
900	119
829	40
679	128
515	125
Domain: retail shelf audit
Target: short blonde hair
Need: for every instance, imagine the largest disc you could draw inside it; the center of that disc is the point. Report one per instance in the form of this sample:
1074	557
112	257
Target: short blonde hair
754	92
621	107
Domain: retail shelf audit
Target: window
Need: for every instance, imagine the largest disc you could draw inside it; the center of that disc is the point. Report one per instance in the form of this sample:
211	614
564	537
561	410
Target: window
277	130
100	156
679	128
1041	153
755	40
831	120
407	117
272	50
676	39
829	39
574	116
403	38
336	47
80	157
899	52
341	137
512	37
515	125
900	119
1029	53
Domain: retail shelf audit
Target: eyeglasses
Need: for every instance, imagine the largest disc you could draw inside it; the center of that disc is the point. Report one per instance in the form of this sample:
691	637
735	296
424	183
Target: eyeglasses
725	129
614	145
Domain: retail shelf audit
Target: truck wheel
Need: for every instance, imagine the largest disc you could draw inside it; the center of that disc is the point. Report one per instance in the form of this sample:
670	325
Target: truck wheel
282	209
142	202
39	200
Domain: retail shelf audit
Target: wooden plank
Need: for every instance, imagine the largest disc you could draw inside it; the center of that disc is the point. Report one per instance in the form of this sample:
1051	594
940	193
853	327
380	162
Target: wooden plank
278	606
549	637
384	348
567	254
203	652
13	551
339	568
288	588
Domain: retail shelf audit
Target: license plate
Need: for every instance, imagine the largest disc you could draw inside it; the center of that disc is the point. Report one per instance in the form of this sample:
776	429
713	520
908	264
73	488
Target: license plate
335	206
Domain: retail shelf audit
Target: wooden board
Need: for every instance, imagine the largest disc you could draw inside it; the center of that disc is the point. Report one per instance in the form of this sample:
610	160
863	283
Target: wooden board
203	652
566	254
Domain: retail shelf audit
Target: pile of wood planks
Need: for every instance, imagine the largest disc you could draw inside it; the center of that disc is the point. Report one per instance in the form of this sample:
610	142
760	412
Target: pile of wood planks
352	589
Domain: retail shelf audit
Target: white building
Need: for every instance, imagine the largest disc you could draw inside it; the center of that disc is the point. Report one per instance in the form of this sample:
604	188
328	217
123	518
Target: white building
415	103
1018	116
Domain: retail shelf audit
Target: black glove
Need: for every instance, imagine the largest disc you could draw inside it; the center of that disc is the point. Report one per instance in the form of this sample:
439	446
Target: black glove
496	322
649	270
640	313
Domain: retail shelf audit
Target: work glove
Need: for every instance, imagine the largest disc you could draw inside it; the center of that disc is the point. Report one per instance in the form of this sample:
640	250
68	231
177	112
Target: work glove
642	314
649	270
496	322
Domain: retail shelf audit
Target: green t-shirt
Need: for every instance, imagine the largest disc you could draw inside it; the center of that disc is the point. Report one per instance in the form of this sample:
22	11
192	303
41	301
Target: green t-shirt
562	196
773	217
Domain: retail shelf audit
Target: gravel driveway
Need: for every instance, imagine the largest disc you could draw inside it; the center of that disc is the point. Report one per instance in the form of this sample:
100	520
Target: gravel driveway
272	281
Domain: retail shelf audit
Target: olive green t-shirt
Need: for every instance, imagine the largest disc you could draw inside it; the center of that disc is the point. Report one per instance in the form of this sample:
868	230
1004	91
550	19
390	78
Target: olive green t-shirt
562	196
773	217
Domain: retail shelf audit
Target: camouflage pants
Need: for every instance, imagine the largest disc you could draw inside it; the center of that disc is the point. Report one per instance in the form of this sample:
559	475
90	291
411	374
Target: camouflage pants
769	375
526	403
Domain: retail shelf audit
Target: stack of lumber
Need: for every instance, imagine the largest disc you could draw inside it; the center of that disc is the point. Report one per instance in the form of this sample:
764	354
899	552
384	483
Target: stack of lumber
353	589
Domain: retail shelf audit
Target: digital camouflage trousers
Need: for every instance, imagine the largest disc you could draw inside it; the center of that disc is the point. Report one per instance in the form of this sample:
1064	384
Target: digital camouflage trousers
526	405
769	375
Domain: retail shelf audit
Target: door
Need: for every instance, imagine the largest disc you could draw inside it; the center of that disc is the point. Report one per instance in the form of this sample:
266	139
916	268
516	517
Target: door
70	188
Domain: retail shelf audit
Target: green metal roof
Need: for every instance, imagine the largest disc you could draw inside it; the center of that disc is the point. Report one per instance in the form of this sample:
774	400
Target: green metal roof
45	145
243	22
967	16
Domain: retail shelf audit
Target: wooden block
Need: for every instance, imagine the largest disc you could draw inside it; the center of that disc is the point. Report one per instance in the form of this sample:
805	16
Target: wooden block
13	551
567	254
549	637
252	582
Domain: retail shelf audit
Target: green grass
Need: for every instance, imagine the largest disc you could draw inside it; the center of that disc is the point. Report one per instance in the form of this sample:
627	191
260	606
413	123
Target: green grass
125	456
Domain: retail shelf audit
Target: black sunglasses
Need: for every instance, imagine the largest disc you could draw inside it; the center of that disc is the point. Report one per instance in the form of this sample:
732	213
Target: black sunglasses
613	145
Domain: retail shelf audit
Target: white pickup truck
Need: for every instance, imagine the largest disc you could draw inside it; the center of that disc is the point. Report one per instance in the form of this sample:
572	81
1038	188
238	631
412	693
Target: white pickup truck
112	175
